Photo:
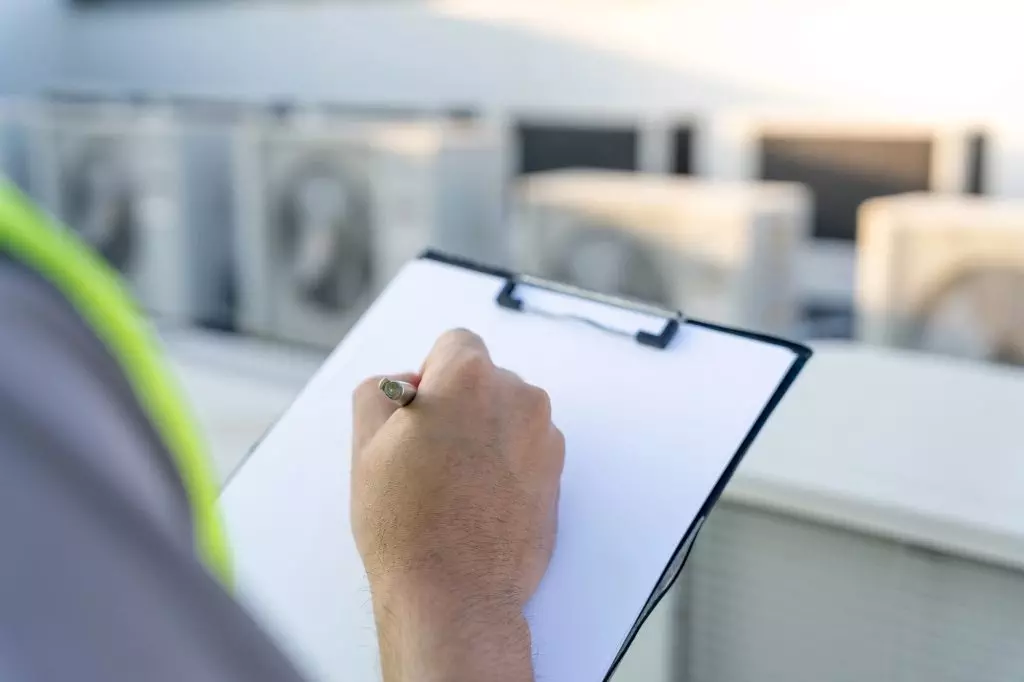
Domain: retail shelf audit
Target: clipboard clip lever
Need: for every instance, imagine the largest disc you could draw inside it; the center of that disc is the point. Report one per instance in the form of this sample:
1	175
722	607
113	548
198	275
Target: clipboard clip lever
669	320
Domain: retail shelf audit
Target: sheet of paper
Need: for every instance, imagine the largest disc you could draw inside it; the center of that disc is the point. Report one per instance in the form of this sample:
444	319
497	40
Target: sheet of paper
649	433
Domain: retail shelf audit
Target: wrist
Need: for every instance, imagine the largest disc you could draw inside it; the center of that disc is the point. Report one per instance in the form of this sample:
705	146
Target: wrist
430	629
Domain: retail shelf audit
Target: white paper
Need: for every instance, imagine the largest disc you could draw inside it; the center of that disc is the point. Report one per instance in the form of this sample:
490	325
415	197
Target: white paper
648	434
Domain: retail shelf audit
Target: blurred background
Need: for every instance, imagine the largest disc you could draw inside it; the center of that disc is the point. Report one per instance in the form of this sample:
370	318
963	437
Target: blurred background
848	174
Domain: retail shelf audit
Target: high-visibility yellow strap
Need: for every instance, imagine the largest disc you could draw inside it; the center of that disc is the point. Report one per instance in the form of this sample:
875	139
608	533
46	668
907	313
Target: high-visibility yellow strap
95	291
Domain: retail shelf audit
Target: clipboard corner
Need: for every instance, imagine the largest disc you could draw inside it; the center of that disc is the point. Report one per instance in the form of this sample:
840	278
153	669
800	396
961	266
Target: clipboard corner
802	351
674	568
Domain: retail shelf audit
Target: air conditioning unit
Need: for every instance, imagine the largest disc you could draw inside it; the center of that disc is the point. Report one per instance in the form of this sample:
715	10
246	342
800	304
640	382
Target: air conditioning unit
873	535
126	178
541	140
943	274
329	211
844	159
718	251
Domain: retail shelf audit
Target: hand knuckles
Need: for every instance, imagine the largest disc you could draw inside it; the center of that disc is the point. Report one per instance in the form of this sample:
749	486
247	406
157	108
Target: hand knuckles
471	366
469	337
559	447
539	402
462	338
559	439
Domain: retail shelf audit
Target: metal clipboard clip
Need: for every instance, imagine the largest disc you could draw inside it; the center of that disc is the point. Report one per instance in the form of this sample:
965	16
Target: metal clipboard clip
672	319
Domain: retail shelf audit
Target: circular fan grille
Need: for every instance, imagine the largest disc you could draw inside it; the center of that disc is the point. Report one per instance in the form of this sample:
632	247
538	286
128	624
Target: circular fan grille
98	201
977	314
326	234
609	260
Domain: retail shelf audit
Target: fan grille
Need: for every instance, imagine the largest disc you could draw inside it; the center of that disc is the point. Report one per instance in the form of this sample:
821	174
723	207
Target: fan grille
324	216
98	200
979	312
604	259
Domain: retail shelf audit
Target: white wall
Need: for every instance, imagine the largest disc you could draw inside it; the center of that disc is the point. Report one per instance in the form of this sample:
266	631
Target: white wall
957	57
29	37
394	52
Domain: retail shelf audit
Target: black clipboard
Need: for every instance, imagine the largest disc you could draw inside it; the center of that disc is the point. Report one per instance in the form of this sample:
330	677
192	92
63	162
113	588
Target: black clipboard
501	300
675	322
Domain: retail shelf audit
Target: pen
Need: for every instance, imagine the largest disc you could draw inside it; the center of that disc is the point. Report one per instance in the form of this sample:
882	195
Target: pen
400	392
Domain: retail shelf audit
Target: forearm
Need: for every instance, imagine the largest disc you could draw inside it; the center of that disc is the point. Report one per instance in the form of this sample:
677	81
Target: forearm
432	634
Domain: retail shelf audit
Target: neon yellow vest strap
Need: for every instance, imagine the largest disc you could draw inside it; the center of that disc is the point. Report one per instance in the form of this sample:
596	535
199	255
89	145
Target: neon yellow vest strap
95	291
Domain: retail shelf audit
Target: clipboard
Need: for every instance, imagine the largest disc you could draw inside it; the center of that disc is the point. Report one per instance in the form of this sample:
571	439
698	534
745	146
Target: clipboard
657	409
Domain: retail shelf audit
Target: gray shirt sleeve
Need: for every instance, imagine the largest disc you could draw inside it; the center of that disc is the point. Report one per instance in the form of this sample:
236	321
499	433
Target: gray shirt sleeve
98	577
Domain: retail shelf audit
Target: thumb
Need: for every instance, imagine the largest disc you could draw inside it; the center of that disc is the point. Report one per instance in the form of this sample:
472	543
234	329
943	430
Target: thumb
371	408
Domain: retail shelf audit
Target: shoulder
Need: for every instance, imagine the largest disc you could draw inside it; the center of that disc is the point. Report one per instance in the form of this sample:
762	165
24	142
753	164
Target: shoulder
65	402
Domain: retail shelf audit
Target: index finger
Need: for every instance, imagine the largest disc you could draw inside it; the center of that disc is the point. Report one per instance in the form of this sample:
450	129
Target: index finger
371	408
451	345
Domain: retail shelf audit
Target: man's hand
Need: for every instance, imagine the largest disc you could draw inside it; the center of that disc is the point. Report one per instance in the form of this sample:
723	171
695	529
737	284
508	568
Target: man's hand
454	502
